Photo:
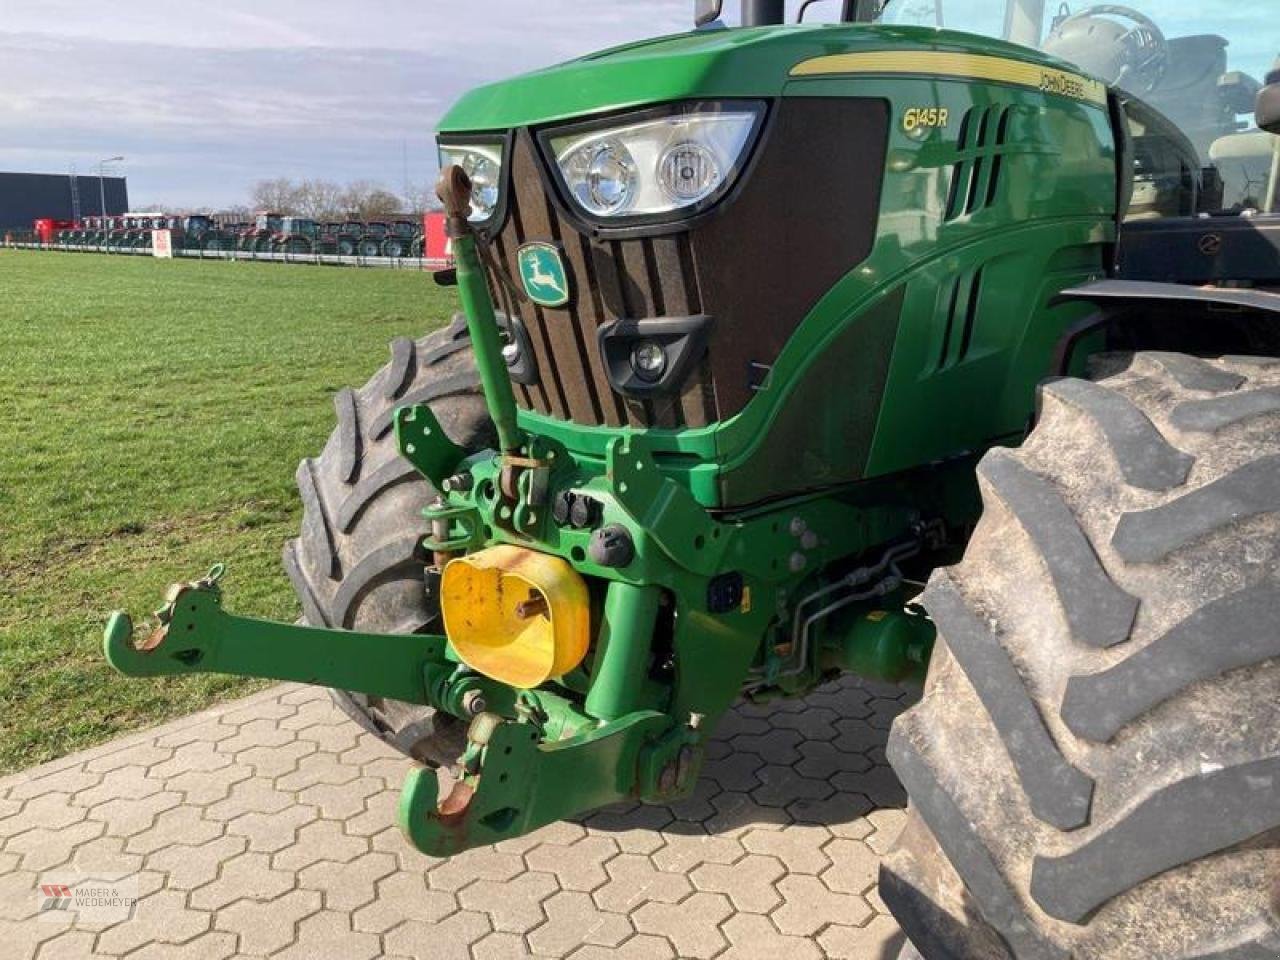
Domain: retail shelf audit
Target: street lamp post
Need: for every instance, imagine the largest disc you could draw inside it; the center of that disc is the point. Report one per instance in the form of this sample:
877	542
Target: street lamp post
102	189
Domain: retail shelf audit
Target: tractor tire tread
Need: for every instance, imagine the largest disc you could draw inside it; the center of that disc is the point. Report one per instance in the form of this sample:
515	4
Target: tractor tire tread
1091	769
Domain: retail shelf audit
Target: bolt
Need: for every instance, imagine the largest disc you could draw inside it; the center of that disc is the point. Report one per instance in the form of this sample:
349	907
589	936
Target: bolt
798	526
809	540
797	562
459	482
695	720
473	702
535	606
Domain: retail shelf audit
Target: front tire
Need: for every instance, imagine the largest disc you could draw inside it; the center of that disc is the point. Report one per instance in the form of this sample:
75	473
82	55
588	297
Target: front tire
358	563
1094	769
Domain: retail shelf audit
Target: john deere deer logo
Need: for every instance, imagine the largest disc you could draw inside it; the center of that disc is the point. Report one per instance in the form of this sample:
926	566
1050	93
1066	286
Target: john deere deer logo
543	274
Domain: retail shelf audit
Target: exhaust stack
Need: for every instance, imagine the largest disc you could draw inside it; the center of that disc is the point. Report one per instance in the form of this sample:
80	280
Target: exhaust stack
762	13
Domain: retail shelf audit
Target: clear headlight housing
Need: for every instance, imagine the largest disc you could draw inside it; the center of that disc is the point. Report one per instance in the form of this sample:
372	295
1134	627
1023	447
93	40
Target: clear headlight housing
678	162
482	162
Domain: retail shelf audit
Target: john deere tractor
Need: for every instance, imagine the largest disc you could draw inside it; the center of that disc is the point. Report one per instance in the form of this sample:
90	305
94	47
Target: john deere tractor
874	346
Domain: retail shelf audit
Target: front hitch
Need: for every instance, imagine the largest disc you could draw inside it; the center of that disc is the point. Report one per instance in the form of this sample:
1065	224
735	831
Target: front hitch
532	757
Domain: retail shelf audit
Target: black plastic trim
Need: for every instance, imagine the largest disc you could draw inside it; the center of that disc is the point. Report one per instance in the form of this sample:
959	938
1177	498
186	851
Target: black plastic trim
684	338
1107	291
524	371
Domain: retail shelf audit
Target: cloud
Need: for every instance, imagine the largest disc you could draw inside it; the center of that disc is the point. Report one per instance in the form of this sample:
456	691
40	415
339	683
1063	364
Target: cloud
205	96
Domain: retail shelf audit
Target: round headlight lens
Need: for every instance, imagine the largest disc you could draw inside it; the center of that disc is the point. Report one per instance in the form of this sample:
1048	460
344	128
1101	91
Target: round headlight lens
484	184
688	172
649	360
603	176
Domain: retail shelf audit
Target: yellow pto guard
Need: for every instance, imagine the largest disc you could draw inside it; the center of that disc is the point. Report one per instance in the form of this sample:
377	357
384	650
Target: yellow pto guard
515	615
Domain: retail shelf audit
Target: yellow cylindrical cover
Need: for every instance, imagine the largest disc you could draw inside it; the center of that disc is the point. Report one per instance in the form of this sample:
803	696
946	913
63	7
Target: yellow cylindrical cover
516	615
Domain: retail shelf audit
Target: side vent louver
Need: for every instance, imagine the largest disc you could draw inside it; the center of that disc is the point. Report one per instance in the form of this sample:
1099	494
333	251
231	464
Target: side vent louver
959	308
975	178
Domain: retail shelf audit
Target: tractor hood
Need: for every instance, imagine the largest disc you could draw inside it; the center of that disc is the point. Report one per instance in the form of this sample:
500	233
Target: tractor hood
754	62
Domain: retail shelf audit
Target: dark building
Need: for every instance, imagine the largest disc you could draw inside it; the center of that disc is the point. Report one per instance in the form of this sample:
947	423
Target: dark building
26	196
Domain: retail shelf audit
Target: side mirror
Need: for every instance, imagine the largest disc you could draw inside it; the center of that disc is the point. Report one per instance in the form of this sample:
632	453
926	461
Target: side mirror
706	11
1267	108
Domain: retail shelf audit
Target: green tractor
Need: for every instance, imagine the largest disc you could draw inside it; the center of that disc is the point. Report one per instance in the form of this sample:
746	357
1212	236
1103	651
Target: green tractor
878	347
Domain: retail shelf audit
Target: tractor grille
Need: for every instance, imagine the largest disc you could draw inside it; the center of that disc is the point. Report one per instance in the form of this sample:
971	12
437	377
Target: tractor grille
757	264
651	277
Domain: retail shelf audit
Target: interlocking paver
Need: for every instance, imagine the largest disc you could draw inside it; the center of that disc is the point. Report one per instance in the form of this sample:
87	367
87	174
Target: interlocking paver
266	829
748	883
512	907
809	906
754	938
320	840
265	926
400	897
798	846
162	917
640	947
633	880
878	940
579	866
249	875
348	886
272	831
448	940
180	825
853	866
328	934
190	867
128	816
573	920
692	926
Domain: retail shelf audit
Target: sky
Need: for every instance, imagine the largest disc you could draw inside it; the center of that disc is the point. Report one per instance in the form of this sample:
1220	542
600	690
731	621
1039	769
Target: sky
204	97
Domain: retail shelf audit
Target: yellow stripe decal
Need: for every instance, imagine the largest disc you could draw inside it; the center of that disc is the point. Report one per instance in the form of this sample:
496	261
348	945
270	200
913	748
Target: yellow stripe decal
963	66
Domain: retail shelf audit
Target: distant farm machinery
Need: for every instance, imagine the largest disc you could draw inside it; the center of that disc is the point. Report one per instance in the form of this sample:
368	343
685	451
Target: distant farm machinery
268	232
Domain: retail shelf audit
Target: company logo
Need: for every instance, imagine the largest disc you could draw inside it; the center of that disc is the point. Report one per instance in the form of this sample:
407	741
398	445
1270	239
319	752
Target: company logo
543	274
57	896
88	900
1210	244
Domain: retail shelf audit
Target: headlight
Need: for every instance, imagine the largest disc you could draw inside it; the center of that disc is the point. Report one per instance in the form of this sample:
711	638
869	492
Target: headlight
651	167
482	162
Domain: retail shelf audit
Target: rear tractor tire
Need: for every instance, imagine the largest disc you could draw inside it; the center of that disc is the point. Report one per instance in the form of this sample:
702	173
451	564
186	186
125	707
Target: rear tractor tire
1094	768
368	248
358	562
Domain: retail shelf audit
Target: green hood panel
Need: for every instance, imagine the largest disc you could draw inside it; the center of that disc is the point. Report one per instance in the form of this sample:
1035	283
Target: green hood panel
712	63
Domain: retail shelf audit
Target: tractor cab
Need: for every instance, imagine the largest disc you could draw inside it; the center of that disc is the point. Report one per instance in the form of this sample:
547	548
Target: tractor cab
1187	80
299	226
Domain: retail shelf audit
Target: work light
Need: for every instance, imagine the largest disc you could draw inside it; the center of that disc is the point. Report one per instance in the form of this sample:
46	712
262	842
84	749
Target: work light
482	162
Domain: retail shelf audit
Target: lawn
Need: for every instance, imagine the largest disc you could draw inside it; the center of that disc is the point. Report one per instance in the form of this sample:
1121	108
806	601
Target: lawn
154	413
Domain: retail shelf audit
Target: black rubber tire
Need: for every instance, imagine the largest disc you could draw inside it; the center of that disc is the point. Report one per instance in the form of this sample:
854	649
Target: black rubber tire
1094	769
358	563
346	248
368	248
393	247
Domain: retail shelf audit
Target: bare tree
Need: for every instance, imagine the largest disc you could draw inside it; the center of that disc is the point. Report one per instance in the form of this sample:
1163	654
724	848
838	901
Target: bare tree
366	200
421	199
320	199
279	195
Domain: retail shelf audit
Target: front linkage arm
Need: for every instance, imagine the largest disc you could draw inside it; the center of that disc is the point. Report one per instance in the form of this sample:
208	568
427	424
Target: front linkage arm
531	758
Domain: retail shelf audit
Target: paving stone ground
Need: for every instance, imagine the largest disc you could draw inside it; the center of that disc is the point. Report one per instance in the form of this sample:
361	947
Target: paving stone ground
266	828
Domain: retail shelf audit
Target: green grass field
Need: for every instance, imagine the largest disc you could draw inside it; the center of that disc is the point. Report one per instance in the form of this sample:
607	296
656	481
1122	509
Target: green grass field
154	413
